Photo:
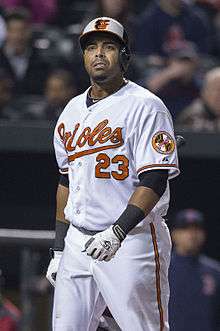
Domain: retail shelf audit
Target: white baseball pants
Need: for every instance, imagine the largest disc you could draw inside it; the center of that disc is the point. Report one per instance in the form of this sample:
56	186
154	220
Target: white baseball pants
134	284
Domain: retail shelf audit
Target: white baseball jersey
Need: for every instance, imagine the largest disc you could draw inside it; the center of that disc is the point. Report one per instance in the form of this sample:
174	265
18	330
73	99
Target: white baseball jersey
104	148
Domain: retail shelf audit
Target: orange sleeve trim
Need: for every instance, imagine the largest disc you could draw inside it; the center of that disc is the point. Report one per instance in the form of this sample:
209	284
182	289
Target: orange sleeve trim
157	273
172	165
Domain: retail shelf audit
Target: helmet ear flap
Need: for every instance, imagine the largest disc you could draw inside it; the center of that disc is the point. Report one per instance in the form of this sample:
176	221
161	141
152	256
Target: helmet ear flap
124	57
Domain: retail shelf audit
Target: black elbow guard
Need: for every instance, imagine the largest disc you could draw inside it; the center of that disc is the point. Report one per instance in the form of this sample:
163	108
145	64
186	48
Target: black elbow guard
64	180
154	179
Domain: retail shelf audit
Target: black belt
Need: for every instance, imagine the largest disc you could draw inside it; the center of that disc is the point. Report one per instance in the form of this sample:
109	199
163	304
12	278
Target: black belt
86	231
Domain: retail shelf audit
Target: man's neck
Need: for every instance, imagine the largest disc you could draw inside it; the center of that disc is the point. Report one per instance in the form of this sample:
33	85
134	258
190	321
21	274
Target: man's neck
100	90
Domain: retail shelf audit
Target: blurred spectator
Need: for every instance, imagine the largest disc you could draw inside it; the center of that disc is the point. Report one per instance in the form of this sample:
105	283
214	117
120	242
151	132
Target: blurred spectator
59	89
42	11
72	12
120	10
174	79
9	314
6	94
194	278
204	113
2	29
211	9
25	63
168	24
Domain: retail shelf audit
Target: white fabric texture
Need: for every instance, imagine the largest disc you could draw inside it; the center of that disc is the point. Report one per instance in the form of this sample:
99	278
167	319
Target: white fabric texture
127	283
104	146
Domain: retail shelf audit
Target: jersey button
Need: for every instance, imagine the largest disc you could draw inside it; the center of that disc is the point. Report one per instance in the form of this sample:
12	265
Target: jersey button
79	164
77	188
78	211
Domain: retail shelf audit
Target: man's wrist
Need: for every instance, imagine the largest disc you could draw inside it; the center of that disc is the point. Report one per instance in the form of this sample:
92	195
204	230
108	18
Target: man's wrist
60	234
119	232
131	216
53	251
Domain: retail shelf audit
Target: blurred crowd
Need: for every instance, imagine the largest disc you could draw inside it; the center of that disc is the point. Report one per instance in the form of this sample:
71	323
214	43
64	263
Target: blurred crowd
175	47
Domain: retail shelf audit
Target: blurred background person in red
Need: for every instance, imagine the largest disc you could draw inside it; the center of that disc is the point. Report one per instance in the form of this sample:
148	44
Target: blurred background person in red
10	315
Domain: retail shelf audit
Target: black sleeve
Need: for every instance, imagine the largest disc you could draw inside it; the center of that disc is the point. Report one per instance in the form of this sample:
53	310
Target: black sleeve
154	179
60	234
64	180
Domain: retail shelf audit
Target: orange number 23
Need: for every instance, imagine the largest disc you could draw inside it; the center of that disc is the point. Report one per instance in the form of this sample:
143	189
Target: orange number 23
104	162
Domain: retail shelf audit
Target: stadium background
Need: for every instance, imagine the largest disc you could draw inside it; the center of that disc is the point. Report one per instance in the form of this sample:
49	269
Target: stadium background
28	186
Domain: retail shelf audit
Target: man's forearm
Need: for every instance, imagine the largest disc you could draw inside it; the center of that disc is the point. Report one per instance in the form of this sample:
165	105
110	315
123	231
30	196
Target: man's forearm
144	198
140	204
62	224
61	201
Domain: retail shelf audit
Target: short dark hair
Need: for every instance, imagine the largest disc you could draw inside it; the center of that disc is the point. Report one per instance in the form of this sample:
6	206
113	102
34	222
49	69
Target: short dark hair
20	14
64	75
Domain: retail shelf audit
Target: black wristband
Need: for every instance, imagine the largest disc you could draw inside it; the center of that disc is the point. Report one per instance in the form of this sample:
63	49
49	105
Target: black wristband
60	234
131	216
64	180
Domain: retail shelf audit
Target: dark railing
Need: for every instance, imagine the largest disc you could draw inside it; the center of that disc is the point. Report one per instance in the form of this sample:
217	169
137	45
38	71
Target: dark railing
37	136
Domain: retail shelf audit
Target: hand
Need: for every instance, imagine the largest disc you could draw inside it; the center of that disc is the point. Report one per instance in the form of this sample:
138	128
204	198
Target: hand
103	245
53	267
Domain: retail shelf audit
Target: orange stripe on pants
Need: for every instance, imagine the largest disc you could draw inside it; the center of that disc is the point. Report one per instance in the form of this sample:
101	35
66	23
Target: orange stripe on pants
157	271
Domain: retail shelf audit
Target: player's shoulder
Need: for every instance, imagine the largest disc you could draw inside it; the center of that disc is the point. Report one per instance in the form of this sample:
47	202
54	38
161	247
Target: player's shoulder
210	264
72	105
145	98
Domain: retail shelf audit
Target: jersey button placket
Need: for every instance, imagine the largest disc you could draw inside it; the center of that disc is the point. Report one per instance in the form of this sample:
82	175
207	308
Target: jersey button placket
79	207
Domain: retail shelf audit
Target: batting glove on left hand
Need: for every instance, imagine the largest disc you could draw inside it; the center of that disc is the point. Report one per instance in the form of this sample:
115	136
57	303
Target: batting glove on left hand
53	267
103	245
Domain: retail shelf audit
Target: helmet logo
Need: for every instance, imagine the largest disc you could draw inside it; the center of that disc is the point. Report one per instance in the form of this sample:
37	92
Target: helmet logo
101	24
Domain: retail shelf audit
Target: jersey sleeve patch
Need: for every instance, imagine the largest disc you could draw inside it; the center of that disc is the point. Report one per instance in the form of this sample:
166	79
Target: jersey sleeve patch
163	142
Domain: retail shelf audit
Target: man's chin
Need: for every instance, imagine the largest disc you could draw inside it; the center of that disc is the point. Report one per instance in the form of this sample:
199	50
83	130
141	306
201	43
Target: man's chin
100	77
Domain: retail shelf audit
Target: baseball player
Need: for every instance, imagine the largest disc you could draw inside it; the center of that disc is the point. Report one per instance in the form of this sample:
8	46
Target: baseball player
116	151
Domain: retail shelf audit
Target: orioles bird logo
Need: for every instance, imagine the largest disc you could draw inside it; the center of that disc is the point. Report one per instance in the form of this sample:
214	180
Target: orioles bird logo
101	24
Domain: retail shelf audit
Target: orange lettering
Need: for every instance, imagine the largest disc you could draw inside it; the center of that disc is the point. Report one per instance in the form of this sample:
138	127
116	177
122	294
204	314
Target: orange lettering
69	139
100	134
96	131
116	136
61	131
83	138
104	135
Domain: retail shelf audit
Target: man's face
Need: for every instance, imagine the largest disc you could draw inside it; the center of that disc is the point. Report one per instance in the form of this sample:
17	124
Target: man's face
101	58
57	92
18	33
211	95
189	240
